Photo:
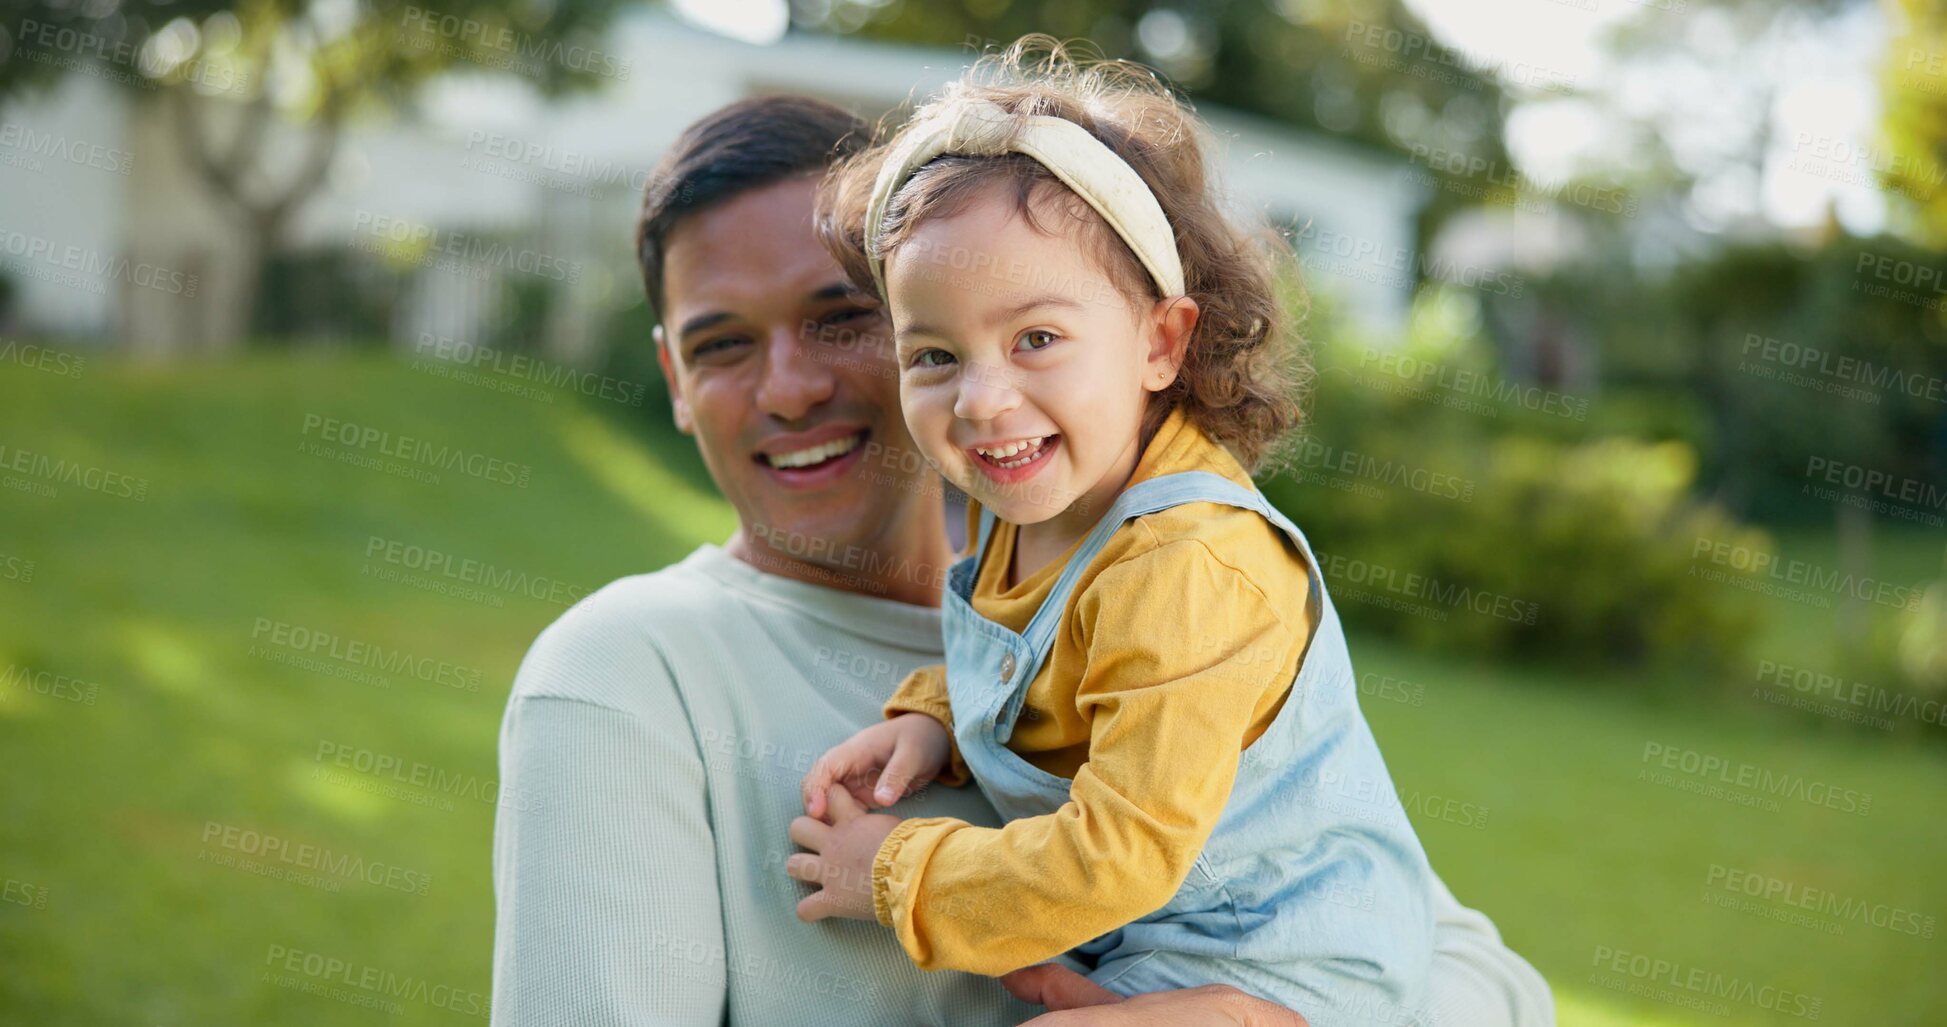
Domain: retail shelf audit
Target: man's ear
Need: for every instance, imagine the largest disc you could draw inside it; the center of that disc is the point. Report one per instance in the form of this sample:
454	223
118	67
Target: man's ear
684	422
1172	321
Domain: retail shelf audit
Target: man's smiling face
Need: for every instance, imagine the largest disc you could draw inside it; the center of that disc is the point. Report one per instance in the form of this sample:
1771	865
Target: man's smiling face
784	374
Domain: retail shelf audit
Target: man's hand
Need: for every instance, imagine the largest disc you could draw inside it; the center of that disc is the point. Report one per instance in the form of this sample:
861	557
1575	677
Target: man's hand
840	858
1076	1001
896	756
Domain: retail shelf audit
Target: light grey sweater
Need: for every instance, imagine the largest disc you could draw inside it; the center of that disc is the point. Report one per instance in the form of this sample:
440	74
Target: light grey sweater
650	761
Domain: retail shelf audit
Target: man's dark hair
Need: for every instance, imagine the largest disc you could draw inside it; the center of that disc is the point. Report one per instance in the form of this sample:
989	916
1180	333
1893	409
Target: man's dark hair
747	145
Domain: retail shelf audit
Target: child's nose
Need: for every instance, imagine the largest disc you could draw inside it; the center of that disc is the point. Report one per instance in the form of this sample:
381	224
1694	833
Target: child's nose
984	394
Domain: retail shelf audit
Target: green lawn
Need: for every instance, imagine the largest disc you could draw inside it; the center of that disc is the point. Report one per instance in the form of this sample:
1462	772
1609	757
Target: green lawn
1805	635
126	819
1578	855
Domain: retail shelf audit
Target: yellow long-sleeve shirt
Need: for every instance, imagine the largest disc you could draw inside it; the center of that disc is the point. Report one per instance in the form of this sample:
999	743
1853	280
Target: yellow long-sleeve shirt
1179	644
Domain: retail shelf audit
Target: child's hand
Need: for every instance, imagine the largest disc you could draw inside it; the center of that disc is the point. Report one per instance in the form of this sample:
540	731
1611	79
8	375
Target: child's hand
840	858
899	756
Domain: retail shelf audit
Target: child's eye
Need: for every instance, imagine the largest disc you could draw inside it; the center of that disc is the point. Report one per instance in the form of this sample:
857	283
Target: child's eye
1035	339
932	358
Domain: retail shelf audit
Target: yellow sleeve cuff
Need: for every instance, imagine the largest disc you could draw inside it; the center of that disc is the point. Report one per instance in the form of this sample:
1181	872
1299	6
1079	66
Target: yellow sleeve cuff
883	864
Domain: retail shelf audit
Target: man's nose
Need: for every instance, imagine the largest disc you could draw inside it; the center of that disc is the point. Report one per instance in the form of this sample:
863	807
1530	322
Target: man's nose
985	393
795	382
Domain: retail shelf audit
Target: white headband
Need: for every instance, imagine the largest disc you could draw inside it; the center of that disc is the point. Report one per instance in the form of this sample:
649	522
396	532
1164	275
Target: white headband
1081	161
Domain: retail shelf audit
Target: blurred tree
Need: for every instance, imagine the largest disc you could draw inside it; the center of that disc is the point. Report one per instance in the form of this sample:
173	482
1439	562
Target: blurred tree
1690	303
1694	119
1913	82
1364	71
227	71
1693	103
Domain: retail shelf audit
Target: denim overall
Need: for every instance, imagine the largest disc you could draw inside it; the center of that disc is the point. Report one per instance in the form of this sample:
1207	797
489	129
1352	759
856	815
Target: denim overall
1312	891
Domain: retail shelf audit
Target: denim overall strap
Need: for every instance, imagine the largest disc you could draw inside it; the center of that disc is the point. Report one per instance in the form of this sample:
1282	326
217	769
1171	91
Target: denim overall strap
1145	497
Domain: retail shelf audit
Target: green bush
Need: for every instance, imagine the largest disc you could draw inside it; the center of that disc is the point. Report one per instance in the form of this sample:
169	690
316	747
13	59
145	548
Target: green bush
1765	356
1463	511
1907	647
327	293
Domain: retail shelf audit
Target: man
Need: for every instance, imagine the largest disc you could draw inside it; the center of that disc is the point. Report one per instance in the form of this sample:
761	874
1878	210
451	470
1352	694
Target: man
660	728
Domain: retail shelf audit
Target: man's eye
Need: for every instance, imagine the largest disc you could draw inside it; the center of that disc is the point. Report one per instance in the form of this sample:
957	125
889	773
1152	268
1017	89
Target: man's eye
932	358
851	314
1035	340
718	347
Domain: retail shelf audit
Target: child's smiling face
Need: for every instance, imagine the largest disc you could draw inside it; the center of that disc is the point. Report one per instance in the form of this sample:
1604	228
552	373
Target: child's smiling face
1024	371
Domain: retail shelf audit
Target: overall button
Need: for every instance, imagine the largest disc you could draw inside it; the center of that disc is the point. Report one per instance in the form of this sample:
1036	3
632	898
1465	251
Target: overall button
1007	667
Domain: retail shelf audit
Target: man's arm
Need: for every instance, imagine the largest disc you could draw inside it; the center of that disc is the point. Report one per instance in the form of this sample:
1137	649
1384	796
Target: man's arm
1477	981
1076	1001
605	881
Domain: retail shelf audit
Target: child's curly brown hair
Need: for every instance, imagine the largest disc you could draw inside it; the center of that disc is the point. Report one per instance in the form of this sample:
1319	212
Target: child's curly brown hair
1245	365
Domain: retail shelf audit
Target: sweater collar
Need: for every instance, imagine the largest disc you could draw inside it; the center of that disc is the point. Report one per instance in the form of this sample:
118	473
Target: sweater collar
886	621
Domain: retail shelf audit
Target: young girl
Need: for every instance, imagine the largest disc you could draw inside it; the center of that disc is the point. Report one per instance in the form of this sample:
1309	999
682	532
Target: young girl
1144	673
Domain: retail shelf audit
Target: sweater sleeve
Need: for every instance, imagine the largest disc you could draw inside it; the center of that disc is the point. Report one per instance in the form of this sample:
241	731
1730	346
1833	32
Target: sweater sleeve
924	691
1170	693
640	939
1476	980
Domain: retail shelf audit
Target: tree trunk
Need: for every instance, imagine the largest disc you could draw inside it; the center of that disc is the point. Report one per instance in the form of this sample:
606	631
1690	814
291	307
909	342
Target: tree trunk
225	171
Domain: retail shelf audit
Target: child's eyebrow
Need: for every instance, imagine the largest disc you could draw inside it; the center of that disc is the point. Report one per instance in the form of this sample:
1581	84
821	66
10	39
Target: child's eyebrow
901	333
1035	303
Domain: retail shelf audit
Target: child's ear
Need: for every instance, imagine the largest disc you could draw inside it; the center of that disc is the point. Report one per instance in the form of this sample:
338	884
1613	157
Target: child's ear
1172	321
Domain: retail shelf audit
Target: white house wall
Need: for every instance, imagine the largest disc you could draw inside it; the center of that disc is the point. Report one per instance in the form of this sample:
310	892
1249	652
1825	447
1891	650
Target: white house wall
49	204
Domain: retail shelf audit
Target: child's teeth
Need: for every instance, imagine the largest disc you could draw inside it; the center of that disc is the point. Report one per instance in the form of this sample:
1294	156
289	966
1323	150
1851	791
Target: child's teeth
1001	455
1003	452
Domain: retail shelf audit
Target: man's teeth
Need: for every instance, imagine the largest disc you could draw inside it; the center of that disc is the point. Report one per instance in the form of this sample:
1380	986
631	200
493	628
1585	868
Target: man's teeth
816	454
1001	455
